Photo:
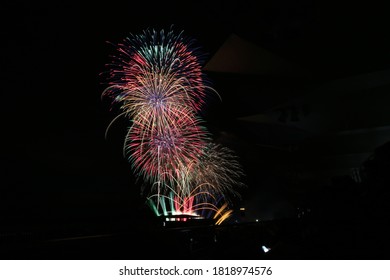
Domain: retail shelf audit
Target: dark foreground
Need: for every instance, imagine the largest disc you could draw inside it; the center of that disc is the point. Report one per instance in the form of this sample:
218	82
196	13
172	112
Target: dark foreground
121	239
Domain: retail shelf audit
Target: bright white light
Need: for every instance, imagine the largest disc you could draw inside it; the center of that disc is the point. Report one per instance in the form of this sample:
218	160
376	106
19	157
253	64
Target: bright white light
257	220
265	249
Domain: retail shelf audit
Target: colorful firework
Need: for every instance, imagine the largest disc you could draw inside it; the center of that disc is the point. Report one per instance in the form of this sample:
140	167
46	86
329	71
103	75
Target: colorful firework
157	80
156	99
191	193
219	167
161	151
156	68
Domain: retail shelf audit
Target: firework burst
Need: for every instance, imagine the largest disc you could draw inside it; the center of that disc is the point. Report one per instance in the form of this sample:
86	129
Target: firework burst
157	79
161	150
156	68
217	166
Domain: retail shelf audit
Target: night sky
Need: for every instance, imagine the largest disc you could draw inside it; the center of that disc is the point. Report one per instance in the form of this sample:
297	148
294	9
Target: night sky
56	163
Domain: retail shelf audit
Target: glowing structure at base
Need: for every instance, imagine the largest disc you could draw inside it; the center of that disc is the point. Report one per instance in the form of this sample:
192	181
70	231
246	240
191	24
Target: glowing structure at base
171	206
157	79
198	203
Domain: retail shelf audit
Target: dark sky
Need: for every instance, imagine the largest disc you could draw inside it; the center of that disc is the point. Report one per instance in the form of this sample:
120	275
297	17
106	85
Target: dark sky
54	156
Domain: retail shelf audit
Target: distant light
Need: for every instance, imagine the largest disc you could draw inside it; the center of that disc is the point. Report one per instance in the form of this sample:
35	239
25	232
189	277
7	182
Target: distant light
257	220
242	209
265	249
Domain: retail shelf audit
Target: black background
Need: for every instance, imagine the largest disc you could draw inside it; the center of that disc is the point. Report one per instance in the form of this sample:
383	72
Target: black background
57	167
